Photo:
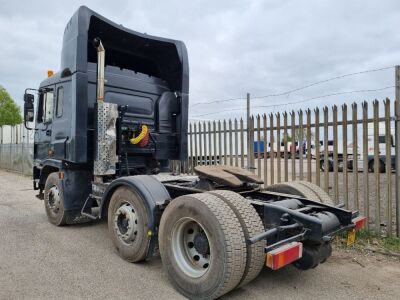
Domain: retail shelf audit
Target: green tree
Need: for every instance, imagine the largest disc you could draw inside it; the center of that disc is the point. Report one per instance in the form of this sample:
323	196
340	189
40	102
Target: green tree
10	113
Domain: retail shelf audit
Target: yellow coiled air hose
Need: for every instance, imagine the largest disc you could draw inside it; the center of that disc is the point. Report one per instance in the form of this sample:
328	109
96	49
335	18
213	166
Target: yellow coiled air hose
141	135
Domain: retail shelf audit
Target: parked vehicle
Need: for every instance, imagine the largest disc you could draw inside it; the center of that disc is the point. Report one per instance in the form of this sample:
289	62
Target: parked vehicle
371	150
106	127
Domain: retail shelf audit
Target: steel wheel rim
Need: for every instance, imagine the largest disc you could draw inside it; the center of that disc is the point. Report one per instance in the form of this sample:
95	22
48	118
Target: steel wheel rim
189	240
54	200
126	223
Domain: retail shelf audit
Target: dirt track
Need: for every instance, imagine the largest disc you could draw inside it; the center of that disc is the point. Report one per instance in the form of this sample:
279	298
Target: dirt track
39	260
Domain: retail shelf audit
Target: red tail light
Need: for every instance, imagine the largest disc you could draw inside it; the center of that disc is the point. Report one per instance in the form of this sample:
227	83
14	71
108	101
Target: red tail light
284	255
359	222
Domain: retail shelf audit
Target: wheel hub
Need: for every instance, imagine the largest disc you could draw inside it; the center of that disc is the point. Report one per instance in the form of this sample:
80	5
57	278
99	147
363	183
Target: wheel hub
54	199
125	223
191	247
201	243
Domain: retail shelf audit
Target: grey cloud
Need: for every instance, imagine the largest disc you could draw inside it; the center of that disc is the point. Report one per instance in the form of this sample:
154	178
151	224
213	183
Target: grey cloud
234	47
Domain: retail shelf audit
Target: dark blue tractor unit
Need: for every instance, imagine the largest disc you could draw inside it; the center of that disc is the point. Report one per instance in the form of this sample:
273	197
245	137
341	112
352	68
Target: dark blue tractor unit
106	128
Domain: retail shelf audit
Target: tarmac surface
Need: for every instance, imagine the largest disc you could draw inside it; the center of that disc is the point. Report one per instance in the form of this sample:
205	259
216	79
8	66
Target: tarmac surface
42	261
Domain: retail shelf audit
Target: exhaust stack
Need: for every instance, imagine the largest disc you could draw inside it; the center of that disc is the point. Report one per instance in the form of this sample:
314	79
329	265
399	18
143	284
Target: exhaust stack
100	69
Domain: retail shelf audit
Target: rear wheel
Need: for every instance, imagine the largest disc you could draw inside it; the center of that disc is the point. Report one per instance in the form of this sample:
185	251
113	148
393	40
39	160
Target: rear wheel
202	246
313	192
321	194
127	224
252	225
303	189
54	200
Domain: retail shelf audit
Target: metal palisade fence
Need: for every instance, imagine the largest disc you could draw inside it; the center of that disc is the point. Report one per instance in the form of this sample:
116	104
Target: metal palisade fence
351	152
16	149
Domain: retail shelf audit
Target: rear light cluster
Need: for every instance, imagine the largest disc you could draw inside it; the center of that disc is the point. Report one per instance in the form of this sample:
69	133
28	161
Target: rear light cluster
289	253
359	222
284	255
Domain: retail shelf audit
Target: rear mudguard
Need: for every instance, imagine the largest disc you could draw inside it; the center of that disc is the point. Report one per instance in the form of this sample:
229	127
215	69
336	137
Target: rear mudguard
151	191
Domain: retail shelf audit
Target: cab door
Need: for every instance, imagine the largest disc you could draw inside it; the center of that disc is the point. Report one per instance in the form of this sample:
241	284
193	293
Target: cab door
61	125
44	119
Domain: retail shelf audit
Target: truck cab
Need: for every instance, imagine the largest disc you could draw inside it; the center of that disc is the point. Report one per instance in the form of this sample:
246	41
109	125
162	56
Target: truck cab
145	77
106	127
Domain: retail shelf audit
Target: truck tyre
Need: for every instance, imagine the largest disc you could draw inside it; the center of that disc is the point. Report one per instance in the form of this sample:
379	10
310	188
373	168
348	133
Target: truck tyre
322	195
202	246
252	225
322	165
382	168
54	200
127	224
300	188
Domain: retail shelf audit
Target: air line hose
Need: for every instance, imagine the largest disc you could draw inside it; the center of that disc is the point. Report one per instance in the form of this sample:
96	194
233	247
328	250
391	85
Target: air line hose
141	136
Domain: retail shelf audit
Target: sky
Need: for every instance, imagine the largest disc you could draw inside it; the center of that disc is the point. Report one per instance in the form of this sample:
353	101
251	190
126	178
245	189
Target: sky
235	47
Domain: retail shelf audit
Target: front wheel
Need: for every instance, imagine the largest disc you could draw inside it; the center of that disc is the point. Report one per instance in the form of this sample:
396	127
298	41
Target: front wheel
127	224
54	200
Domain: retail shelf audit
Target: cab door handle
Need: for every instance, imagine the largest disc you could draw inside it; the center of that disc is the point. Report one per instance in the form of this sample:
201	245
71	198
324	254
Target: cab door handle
48	132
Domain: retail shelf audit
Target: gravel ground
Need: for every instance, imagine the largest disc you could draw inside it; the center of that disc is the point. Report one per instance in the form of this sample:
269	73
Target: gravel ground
41	261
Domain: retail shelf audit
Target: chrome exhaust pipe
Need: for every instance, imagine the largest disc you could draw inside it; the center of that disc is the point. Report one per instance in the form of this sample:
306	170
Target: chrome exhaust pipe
101	52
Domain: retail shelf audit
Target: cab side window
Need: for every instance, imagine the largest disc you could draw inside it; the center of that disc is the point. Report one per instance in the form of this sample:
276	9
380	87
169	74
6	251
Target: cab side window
48	101
60	99
45	107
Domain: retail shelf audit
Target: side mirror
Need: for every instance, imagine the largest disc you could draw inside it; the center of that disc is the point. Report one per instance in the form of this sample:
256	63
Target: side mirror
29	109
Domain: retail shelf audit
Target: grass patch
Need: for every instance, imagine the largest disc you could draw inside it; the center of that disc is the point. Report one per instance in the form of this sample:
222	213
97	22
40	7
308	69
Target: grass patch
365	238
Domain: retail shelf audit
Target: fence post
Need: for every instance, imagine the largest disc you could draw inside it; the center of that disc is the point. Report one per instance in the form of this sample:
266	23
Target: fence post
388	164
225	144
220	142
252	143
258	146
215	142
285	143
293	145
326	153
210	161
278	145
191	164
200	161
23	148
345	173
195	162
308	138
355	155
317	149
230	143
301	144
377	170
397	148
265	149
248	132
365	161
271	148
205	142
241	144
236	143
335	156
